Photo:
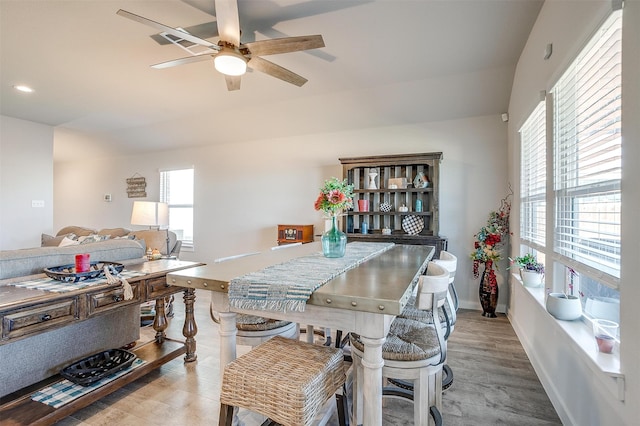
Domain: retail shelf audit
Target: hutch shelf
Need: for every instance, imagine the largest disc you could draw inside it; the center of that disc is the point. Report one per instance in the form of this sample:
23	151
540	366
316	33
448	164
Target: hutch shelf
402	192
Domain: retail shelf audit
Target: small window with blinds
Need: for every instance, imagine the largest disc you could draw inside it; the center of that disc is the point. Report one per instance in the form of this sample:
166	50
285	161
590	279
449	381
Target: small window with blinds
176	189
588	156
533	177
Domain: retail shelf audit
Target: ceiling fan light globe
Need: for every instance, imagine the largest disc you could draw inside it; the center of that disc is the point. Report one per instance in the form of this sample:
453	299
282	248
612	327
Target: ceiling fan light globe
229	62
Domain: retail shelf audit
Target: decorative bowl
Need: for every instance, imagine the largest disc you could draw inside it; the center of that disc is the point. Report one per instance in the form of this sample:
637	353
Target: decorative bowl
68	273
564	307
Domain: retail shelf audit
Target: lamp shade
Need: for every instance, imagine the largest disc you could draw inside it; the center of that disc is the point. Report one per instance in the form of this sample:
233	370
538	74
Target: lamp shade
150	213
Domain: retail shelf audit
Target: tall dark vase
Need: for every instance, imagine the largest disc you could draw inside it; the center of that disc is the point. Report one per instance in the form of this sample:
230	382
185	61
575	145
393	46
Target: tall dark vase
488	293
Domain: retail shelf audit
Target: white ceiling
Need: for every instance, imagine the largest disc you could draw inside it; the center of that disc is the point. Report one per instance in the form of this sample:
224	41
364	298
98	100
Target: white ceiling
385	62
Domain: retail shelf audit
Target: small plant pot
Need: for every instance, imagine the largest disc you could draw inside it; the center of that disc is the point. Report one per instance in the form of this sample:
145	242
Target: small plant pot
531	278
564	307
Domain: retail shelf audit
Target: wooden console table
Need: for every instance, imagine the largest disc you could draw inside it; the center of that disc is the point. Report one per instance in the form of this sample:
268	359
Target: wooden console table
26	312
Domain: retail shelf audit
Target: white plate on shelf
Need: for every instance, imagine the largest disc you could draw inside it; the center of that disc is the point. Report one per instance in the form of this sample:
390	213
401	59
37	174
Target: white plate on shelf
412	225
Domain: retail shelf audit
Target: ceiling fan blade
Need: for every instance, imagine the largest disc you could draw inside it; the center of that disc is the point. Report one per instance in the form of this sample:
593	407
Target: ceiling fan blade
285	45
203	31
181	61
233	82
228	21
267	67
167	29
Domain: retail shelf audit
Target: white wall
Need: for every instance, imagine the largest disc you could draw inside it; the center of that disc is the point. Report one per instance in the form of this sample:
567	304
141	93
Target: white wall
243	190
26	174
575	385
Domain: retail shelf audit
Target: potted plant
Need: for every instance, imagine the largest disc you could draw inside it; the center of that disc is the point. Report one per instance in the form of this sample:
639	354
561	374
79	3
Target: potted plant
531	271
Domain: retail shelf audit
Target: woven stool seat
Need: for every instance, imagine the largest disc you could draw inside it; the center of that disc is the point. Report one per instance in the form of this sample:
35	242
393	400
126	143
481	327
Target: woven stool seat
411	311
286	380
255	323
408	340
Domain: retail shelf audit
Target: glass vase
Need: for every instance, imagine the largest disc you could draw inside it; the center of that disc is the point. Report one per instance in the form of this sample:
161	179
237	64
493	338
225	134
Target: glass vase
334	241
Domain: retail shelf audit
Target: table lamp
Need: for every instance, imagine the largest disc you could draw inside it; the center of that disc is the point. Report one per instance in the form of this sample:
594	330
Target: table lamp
151	214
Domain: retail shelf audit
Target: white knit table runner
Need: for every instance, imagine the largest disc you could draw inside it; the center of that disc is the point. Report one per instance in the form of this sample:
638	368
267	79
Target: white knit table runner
287	286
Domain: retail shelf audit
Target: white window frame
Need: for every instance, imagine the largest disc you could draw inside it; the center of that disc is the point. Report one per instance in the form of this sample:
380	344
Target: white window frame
533	177
165	188
558	260
589	246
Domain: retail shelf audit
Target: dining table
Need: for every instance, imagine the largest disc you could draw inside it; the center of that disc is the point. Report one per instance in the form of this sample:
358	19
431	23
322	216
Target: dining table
361	294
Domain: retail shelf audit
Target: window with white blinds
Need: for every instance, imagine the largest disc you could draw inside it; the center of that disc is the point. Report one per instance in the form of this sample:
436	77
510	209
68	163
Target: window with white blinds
533	177
587	154
176	189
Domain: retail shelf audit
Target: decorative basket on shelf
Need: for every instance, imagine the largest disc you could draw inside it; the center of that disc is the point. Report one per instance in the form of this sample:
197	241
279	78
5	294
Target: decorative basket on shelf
98	366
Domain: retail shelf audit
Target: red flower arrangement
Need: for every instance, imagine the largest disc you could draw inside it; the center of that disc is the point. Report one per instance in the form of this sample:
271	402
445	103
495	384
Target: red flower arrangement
488	241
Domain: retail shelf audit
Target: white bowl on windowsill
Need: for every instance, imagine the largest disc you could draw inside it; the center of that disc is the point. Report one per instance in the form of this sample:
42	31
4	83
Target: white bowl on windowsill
564	307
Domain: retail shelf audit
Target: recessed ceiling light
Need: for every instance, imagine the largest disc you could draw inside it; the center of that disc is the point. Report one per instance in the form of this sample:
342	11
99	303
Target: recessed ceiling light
23	88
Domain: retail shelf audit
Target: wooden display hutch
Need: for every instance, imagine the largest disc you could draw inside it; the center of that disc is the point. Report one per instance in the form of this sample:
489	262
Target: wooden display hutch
423	225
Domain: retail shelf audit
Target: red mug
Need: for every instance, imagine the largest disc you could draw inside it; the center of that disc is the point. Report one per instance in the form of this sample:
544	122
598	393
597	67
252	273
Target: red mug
82	263
363	205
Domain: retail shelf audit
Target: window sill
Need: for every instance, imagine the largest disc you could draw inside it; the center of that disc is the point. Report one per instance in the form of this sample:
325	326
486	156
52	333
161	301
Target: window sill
580	336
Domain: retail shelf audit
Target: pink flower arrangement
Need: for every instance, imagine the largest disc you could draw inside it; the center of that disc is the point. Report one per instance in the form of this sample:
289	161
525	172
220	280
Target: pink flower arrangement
335	196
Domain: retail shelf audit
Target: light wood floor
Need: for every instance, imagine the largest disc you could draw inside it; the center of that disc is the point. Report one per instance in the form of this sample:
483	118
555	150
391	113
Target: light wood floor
494	383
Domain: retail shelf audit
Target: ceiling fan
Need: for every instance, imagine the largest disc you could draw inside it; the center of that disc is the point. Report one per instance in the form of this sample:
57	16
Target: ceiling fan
230	56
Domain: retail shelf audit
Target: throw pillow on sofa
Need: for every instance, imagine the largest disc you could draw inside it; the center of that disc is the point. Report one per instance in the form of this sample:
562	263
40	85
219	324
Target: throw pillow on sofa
51	241
66	241
77	230
114	232
94	238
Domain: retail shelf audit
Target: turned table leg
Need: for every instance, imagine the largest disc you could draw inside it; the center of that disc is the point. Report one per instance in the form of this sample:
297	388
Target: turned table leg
190	328
160	322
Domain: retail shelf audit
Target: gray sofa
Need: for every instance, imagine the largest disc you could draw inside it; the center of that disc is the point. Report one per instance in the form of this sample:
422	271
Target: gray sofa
31	359
154	239
23	262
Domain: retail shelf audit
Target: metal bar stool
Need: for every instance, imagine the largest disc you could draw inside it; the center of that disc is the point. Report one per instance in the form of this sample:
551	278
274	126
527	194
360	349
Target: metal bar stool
288	381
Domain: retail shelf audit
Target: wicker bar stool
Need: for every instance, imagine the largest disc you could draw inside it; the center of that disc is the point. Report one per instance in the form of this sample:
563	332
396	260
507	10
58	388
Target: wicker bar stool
286	380
413	351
